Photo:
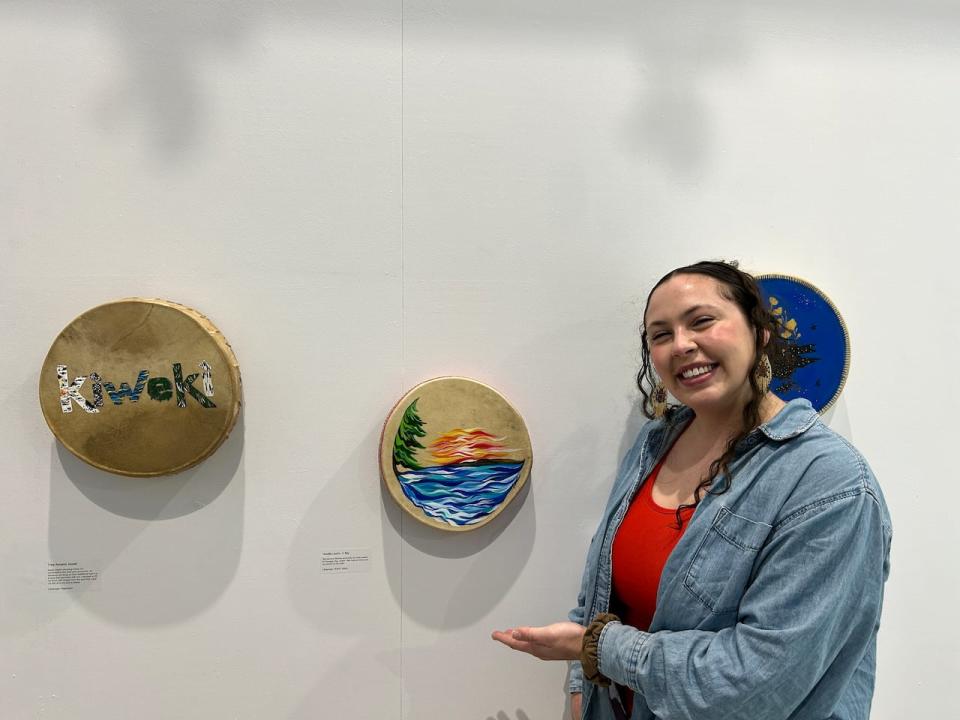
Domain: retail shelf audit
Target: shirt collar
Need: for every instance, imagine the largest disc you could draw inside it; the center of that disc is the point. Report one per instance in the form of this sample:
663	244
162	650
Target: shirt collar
796	417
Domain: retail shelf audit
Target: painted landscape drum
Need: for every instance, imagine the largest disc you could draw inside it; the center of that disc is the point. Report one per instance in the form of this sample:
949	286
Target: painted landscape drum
140	387
816	356
454	453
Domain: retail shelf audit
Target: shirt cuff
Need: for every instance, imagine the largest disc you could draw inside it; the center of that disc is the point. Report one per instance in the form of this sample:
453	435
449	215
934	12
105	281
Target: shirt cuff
618	653
575	681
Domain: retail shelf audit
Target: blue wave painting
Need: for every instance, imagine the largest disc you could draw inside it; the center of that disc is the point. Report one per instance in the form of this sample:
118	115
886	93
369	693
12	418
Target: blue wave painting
460	494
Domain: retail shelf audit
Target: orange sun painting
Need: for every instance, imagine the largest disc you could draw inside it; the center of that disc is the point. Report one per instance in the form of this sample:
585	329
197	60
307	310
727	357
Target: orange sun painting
471	445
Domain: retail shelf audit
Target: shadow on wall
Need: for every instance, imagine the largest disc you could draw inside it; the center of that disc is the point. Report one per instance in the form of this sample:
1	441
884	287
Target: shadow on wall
679	46
458	599
165	46
187	529
838	418
490	559
631	428
521	715
452	602
338	519
354	607
351	671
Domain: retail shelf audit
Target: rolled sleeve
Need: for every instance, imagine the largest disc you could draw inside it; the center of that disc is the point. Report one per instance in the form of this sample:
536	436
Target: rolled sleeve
618	651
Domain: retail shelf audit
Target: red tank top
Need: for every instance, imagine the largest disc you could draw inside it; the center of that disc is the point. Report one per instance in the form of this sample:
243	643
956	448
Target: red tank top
643	542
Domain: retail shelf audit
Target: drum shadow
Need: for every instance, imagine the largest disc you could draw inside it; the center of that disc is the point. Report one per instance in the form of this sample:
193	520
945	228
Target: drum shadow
165	548
157	498
437	593
354	509
345	515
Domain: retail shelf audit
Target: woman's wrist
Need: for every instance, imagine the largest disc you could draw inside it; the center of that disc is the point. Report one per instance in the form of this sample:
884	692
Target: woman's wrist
589	652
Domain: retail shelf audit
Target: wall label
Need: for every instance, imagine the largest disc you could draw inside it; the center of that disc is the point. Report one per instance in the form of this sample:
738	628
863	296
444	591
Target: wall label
71	576
345	560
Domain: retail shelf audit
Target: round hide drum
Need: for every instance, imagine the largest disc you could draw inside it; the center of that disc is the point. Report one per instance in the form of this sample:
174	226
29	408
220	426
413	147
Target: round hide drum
140	387
815	357
454	453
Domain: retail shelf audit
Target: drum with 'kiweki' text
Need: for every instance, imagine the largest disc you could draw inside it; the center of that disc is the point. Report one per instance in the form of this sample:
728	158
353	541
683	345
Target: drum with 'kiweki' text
141	387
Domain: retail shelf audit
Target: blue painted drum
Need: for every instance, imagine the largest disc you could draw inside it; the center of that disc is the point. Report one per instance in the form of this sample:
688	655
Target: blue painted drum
817	346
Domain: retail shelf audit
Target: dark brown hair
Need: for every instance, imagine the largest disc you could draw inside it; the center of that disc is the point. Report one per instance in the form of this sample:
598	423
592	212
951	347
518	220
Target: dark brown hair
740	288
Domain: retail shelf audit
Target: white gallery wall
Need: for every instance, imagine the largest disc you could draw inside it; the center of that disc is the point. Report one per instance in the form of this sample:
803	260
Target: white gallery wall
364	195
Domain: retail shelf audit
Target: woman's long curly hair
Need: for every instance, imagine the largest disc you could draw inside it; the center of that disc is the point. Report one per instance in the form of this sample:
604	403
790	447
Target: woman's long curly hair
742	289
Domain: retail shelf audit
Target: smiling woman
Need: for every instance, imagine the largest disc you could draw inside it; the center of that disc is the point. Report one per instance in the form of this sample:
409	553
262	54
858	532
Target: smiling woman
701	345
705	339
739	565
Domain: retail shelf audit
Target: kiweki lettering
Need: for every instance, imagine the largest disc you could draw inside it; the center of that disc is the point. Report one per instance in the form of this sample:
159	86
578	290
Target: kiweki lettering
159	389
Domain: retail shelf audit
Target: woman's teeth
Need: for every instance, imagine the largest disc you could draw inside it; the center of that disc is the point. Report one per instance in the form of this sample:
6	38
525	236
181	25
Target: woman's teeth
693	372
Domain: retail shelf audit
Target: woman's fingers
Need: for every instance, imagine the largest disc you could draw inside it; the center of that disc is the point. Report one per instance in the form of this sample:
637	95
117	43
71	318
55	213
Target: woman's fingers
528	634
560	641
512	637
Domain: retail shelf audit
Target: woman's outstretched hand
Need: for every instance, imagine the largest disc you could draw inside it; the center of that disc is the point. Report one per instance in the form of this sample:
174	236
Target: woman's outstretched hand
560	641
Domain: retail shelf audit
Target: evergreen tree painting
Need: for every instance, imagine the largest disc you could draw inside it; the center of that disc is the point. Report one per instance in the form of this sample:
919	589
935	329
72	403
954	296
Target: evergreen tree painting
405	443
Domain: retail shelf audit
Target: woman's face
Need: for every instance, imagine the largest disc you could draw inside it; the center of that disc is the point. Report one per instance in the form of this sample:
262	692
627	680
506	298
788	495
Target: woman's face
700	344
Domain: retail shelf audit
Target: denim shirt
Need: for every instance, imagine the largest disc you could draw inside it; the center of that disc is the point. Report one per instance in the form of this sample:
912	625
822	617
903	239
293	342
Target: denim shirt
769	605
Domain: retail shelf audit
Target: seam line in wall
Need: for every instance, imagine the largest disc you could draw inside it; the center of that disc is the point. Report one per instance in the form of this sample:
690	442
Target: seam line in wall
403	334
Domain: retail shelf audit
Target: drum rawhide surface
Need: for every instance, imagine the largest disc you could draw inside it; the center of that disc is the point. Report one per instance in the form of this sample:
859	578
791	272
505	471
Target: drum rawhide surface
454	453
141	387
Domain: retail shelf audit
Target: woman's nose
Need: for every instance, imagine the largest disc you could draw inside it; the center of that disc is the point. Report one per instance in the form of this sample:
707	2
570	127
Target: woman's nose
683	343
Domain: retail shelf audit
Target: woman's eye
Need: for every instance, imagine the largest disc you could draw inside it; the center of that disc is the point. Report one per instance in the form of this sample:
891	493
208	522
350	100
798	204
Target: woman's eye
702	320
658	336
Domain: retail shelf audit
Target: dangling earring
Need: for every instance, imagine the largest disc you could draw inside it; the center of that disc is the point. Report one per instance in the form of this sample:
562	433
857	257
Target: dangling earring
763	374
658	400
